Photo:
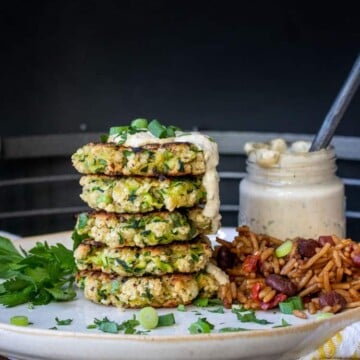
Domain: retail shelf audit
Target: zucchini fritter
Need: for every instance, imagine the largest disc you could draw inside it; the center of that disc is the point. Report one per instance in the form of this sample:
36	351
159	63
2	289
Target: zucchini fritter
136	292
171	159
152	260
139	195
154	228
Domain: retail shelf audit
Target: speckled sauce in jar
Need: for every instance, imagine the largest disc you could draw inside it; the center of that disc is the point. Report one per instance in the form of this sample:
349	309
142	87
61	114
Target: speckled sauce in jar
289	191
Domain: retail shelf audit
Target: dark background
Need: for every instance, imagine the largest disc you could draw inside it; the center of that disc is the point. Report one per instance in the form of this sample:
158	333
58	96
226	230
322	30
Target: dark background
83	66
232	65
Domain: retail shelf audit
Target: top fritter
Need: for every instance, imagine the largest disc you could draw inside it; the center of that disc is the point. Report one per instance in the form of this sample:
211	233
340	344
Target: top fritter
170	159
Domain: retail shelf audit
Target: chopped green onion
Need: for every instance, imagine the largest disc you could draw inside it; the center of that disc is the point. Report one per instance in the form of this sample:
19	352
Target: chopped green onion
116	130
19	320
181	307
201	326
139	123
284	249
324	315
218	310
148	318
297	302
157	129
286	307
166	320
202	302
291	304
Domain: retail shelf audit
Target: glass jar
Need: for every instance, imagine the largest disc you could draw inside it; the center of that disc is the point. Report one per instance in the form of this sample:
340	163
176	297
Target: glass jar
298	196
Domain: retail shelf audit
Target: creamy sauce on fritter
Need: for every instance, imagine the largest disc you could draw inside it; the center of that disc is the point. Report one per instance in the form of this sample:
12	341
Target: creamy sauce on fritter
210	179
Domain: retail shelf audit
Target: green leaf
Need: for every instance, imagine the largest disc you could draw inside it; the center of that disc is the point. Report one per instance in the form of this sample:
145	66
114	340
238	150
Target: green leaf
107	326
18	297
64	256
232	329
39	275
78	239
8	249
42	298
60	294
63	322
42	274
14	284
104	138
249	317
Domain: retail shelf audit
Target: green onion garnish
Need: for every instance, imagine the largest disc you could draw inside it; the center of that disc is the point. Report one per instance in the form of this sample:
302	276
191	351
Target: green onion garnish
148	318
201	326
284	249
291	304
166	320
116	130
157	129
202	302
139	124
19	320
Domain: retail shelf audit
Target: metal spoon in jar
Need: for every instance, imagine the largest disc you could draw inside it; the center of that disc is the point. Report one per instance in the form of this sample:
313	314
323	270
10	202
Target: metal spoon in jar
337	110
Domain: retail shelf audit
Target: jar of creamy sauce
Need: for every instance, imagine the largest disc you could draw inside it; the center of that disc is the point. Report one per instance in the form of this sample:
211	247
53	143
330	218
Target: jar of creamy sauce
290	192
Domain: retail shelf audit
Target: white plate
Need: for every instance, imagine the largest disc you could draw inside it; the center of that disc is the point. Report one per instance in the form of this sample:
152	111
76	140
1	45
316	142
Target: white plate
76	342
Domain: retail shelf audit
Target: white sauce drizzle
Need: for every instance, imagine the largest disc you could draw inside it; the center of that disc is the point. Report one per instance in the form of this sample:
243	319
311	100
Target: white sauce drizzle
210	179
221	277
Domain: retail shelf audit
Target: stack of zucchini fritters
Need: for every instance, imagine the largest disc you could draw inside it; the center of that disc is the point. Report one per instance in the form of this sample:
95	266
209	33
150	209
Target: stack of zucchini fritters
144	244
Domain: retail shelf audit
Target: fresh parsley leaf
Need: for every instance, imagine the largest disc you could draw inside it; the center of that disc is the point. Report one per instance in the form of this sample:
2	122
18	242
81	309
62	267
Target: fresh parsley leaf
201	326
109	326
105	325
77	238
249	317
63	322
42	274
128	326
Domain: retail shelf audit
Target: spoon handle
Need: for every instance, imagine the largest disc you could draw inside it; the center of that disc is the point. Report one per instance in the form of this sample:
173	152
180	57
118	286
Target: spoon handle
326	132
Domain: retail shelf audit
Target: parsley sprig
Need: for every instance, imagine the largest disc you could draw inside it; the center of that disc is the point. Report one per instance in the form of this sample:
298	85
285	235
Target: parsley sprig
41	275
